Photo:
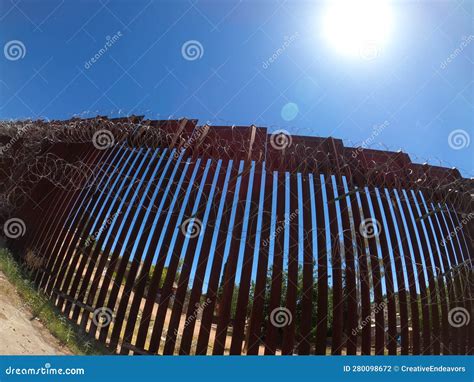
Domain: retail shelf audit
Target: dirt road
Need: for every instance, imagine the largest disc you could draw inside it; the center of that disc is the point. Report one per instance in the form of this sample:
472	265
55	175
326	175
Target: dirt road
18	333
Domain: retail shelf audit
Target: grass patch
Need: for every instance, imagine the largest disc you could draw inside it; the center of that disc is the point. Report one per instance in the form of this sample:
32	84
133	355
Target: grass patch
60	327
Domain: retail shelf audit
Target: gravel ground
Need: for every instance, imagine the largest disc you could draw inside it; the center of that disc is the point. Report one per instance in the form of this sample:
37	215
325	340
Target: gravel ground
18	333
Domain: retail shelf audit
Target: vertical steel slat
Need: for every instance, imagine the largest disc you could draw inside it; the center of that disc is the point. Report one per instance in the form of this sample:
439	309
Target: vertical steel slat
77	273
154	229
271	333
432	299
184	168
97	217
141	276
376	276
257	314
115	150
61	231
182	283
238	328
402	287
425	303
463	232
186	198
54	215
86	154
456	288
462	332
336	258
49	207
114	229
389	285
435	281
448	223
322	303
43	218
18	245
467	246
305	341
140	205
465	274
467	232
411	271
292	283
110	259
96	267
86	278
366	341
66	232
437	254
448	347
50	226
212	289
66	250
230	267
44	196
457	284
143	173
350	287
209	229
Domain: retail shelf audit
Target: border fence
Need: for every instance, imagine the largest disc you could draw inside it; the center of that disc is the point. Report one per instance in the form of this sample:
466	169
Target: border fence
165	237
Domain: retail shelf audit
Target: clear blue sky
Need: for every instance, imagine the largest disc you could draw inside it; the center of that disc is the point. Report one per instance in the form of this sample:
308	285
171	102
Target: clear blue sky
407	82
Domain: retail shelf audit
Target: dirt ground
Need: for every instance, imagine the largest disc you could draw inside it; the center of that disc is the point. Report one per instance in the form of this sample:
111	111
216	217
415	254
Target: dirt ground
18	333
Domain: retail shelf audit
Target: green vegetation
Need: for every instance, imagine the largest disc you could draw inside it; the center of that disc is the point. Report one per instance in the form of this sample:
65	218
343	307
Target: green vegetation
284	286
41	307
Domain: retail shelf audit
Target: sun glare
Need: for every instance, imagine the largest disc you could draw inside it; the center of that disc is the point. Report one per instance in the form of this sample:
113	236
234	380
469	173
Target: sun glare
358	28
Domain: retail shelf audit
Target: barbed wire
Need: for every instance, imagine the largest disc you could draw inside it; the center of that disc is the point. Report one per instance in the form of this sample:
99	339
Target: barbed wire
27	157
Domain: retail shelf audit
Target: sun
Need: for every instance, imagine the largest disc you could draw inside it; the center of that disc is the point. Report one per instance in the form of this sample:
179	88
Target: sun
358	28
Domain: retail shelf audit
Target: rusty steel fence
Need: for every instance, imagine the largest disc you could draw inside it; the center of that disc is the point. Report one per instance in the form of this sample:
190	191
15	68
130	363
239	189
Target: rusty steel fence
165	237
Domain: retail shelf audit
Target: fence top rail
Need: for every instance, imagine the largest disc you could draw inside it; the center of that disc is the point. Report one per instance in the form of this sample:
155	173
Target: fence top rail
280	150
